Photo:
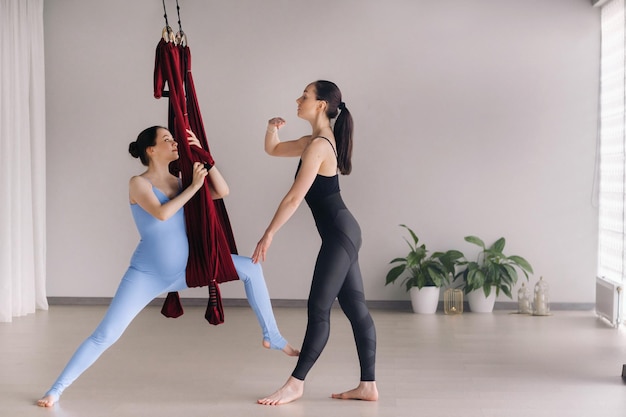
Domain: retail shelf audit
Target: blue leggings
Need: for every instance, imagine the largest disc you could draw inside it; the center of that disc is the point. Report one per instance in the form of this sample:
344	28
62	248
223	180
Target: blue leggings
136	290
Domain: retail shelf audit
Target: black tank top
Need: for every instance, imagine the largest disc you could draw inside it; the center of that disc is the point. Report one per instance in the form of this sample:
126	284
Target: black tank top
322	186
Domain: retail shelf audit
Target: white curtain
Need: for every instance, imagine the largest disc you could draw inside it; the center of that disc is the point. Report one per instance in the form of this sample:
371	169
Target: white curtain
22	159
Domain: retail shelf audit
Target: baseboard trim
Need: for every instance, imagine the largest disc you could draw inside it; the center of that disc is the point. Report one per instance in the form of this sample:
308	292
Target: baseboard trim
397	305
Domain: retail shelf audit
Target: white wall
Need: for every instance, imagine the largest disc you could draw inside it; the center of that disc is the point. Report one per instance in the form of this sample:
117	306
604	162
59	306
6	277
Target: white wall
472	117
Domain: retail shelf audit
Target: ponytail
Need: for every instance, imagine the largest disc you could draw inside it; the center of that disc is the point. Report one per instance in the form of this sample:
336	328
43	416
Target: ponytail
343	136
329	92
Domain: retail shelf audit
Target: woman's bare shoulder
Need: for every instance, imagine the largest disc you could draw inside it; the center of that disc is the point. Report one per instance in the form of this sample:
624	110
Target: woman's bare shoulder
138	180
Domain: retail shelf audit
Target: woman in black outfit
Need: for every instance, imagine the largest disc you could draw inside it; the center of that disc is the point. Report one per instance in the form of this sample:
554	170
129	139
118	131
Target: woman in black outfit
322	154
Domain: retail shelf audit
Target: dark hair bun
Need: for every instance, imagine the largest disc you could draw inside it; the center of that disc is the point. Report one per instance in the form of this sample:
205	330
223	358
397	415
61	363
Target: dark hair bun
133	149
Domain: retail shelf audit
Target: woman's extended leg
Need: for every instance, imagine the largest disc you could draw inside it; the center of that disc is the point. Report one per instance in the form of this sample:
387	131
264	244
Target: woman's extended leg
352	301
259	299
331	268
330	271
135	291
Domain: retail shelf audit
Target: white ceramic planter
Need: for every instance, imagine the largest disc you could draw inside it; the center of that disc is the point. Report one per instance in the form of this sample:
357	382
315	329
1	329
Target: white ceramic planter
425	300
478	303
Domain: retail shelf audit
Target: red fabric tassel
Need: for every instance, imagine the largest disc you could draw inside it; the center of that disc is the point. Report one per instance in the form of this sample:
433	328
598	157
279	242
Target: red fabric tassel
172	306
214	310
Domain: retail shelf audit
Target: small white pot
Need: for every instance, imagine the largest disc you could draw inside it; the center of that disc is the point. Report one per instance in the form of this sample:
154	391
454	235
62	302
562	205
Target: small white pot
478	303
425	300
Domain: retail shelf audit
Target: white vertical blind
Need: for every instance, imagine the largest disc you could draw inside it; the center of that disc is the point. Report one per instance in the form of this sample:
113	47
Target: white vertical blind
612	189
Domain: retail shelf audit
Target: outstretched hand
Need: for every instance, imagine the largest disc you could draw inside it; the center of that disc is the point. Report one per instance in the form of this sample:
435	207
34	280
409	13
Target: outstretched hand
261	249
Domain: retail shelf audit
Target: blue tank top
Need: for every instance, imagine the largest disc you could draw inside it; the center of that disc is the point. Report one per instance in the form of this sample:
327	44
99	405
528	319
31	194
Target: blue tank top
322	186
163	249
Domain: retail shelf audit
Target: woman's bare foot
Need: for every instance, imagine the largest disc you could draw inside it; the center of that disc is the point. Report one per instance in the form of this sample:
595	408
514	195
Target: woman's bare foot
47	401
291	391
288	349
366	391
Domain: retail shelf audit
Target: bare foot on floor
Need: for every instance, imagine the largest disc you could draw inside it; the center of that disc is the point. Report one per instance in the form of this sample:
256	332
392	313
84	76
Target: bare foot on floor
291	391
288	349
366	391
47	401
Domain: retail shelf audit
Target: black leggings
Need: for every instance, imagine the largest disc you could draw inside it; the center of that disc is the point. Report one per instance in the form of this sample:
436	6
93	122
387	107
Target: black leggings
337	275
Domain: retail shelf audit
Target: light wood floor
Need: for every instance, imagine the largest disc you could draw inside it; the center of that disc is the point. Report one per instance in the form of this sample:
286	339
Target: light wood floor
487	365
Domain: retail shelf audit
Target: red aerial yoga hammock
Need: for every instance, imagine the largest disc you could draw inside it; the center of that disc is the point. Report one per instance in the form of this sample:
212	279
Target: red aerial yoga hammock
210	235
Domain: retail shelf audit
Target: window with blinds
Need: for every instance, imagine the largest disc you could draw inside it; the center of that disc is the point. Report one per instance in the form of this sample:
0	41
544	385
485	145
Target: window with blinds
612	185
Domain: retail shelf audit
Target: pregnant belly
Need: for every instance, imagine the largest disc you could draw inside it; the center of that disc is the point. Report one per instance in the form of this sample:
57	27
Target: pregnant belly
162	258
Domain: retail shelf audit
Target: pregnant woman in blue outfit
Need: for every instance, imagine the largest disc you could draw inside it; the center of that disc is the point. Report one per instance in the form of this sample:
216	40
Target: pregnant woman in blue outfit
322	154
159	262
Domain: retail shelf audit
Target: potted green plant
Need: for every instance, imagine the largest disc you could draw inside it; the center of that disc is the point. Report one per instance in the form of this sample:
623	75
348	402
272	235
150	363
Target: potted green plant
492	270
424	274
